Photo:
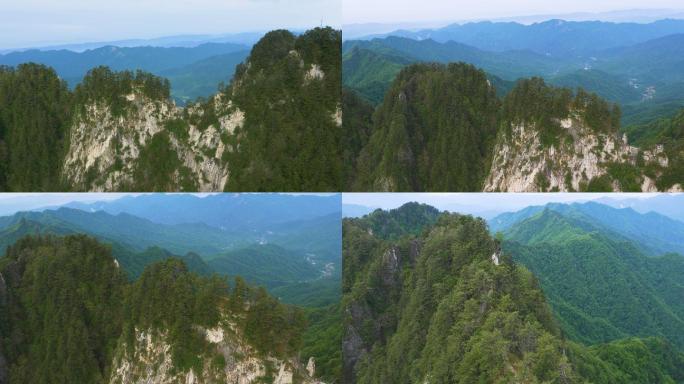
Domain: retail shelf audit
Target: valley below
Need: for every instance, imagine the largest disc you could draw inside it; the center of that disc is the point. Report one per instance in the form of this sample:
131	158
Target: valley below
559	293
215	289
119	127
497	96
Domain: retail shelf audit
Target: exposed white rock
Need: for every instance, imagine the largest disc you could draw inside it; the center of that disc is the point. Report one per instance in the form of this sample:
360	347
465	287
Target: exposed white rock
103	148
151	361
311	367
314	73
495	258
337	116
520	159
648	185
232	121
284	376
215	335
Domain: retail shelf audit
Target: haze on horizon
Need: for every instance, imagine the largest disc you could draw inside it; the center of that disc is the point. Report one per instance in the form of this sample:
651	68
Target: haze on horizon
475	203
38	23
435	11
13	202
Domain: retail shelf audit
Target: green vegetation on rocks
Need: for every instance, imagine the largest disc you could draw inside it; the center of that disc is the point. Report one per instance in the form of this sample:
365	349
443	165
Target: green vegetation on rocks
67	309
34	119
438	127
425	132
289	91
285	135
446	304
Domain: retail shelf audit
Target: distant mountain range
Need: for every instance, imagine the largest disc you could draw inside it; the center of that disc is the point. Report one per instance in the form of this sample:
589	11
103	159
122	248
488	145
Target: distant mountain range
246	38
365	30
355	210
271	240
430	295
667	204
653	233
194	71
555	37
229	211
635	65
604	270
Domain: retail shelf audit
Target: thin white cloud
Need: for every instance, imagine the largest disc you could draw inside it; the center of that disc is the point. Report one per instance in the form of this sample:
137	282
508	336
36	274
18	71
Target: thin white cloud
395	11
37	22
478	202
11	203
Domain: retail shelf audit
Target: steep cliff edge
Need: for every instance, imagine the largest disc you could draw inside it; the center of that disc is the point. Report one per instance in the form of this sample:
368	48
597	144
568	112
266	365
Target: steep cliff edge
440	301
234	361
275	127
108	150
68	314
443	128
4	374
522	163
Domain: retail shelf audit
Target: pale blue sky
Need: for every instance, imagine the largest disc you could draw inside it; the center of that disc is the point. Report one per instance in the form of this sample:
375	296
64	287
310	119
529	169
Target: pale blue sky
14	202
11	203
479	203
25	23
395	11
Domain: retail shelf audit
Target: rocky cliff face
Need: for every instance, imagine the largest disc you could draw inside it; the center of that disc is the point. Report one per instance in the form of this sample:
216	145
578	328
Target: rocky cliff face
522	163
104	148
275	127
363	323
3	304
431	308
234	361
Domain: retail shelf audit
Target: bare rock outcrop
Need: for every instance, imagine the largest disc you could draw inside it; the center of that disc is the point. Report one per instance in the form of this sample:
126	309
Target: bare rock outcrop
104	148
151	362
522	163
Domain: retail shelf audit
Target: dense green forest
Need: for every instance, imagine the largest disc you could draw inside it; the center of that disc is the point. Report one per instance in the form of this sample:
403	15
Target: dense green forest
289	140
34	119
284	266
62	309
323	339
299	263
288	89
357	126
618	91
634	65
442	302
66	306
601	285
533	101
669	132
423	134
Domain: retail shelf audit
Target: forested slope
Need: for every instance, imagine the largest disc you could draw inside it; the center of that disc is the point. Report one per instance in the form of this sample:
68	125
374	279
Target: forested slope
446	304
276	126
84	322
443	128
418	143
601	286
